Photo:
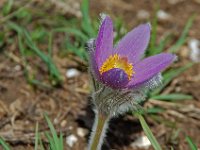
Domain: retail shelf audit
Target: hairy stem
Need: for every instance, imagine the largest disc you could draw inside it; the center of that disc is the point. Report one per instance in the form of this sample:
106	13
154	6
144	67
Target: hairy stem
98	131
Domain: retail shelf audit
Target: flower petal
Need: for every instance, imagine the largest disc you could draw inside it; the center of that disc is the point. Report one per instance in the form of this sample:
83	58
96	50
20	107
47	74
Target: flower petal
94	69
149	67
134	43
104	41
115	78
92	62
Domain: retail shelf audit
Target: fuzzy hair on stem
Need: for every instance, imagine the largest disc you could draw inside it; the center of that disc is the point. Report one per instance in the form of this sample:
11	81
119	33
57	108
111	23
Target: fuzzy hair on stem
98	131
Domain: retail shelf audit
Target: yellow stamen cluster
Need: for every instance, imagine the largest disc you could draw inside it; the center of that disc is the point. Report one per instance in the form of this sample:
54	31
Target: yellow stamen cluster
115	61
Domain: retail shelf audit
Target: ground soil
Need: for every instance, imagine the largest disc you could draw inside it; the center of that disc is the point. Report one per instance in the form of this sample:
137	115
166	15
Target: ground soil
69	106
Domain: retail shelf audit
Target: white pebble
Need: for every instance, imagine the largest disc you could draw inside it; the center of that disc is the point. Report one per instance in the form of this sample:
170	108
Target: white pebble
162	15
71	128
71	140
70	73
17	68
194	45
81	132
141	142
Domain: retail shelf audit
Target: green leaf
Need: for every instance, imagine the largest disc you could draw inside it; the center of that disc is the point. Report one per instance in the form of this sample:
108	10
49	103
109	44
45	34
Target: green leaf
4	144
148	132
183	36
172	97
191	144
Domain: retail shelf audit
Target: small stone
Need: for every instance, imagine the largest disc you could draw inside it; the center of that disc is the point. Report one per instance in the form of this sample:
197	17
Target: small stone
81	132
55	121
194	45
70	128
71	140
27	122
143	14
141	142
70	73
63	123
162	15
184	52
17	68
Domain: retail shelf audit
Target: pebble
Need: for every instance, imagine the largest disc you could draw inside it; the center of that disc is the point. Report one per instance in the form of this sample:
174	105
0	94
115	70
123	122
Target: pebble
63	123
71	140
55	121
81	132
70	73
18	68
163	15
141	142
70	128
194	46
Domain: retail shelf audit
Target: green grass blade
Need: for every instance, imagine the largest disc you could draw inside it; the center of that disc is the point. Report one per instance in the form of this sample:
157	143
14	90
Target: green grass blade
22	52
80	52
4	144
172	97
28	76
61	141
183	36
41	144
154	110
51	142
53	70
7	7
50	44
58	143
15	27
74	31
31	45
39	34
148	132
153	32
86	22
191	144
160	47
36	137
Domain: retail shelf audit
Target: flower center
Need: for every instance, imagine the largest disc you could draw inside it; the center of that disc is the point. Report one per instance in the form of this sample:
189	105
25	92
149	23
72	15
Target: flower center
115	61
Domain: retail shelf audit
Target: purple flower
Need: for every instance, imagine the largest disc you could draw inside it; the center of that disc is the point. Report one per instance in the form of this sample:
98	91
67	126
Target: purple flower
122	66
